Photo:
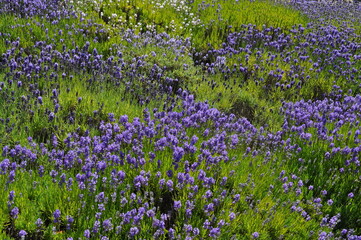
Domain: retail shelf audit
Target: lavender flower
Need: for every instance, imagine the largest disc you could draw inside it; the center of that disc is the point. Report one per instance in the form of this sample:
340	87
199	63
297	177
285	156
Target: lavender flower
11	196
87	233
22	234
215	232
177	205
133	231
39	223
14	213
56	215
107	225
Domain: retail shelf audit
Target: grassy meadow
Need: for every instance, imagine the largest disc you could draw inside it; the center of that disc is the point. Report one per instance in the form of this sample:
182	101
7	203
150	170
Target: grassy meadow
169	119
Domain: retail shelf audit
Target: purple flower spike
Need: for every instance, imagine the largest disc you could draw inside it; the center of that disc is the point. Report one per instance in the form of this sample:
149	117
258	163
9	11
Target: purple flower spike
56	215
39	223
14	213
215	232
11	195
107	225
232	216
22	233
177	205
255	235
40	100
87	234
133	231
170	185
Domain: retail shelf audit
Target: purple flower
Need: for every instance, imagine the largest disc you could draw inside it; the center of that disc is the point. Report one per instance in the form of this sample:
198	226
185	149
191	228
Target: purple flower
209	207
133	231
322	236
170	185
178	154
22	233
232	216
107	225
56	215
177	205
11	195
40	100
350	195
150	213
170	173
55	92
215	232
39	223
51	116
14	213
101	207
181	177
171	233
123	201
201	175
196	231
101	166
206	132
300	183
208	194
111	117
221	223
87	233
188	228
206	224
99	197
12	176
236	198
96	226
123	119
255	235
194	139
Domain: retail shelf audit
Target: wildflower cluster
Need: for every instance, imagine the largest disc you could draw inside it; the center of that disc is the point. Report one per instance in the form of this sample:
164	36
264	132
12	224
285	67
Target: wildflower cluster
121	122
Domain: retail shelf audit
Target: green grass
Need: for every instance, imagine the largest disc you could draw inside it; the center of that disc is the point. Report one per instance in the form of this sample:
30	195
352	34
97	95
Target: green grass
206	22
261	208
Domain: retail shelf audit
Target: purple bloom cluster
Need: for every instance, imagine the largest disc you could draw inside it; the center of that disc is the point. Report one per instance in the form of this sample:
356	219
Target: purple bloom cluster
50	9
326	11
184	170
123	144
287	61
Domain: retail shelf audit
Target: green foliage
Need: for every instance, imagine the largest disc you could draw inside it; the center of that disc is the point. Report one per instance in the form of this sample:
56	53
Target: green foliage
207	22
88	99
